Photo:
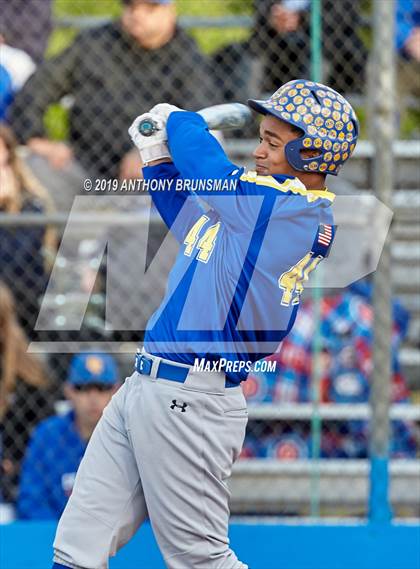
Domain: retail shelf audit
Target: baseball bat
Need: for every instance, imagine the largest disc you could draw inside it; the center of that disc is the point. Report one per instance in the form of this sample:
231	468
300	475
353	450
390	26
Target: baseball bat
226	116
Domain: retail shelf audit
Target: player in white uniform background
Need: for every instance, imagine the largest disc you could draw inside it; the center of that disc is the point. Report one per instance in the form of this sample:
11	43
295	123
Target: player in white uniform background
165	446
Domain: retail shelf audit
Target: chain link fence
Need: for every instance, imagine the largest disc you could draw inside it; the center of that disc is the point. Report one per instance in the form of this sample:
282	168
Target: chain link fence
68	96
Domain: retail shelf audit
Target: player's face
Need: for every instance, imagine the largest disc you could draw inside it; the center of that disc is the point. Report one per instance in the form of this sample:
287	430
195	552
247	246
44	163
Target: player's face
269	155
151	24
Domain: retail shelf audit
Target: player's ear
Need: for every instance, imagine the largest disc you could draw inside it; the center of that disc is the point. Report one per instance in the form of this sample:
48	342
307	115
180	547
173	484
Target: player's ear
310	153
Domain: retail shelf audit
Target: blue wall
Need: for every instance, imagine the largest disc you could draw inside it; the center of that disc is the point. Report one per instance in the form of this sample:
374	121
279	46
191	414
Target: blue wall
27	545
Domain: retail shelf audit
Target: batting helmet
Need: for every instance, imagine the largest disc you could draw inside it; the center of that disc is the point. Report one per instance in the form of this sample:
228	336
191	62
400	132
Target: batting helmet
328	122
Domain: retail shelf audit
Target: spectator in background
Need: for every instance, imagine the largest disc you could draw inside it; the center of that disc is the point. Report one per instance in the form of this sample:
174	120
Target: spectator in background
346	360
26	25
58	444
113	71
346	366
408	45
16	66
23	395
282	39
22	249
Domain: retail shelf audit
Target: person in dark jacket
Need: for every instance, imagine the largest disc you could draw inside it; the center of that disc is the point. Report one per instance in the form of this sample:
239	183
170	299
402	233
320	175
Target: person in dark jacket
112	71
281	38
58	443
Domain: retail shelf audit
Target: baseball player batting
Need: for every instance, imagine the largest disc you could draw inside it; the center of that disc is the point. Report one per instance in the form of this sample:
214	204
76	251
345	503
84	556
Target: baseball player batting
166	443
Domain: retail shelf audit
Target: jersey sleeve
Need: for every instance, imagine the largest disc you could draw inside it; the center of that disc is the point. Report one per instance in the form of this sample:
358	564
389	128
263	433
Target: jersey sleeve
178	207
207	171
196	153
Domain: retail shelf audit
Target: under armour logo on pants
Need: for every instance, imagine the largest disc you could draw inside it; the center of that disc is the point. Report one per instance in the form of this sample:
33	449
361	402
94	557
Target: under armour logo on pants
183	407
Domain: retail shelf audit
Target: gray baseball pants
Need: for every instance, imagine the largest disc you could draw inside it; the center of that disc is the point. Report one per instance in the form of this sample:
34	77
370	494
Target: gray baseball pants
162	450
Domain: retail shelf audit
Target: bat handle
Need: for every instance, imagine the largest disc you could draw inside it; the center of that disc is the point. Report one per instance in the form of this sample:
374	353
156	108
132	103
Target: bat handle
147	127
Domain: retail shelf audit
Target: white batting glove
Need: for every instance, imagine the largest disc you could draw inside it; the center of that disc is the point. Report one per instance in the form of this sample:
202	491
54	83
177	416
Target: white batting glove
152	147
164	110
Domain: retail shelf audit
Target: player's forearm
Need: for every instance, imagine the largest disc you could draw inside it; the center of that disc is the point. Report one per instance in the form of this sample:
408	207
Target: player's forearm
195	152
171	200
167	201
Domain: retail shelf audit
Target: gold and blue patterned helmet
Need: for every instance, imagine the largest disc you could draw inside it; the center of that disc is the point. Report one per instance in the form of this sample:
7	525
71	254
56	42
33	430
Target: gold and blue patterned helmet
327	120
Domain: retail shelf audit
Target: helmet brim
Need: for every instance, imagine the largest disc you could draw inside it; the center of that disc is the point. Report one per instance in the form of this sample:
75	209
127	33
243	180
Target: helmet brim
259	106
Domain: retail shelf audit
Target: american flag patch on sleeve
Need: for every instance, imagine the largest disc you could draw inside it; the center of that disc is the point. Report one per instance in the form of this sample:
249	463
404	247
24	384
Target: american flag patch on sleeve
325	235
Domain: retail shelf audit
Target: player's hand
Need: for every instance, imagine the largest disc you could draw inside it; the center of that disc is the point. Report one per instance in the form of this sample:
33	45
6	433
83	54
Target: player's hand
164	110
152	147
158	137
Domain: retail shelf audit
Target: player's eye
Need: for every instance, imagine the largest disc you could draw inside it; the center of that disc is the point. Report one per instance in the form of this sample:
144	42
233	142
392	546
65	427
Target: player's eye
271	145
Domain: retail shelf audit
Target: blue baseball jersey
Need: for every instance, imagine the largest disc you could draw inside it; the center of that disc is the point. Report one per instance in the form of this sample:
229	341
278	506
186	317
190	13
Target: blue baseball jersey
49	468
247	245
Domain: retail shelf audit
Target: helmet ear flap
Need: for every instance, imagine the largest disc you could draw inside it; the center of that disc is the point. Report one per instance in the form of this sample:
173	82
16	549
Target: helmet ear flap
292	153
293	150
